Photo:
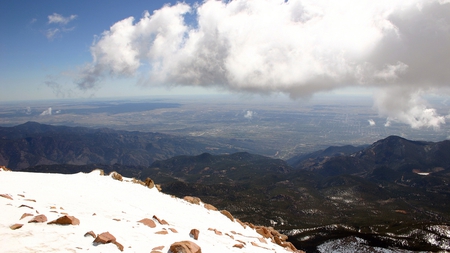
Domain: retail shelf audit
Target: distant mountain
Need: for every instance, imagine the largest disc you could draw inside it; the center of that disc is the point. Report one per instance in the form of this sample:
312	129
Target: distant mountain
33	144
391	194
297	161
396	153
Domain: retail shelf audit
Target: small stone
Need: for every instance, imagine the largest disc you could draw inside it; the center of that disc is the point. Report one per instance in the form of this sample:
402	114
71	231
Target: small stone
210	207
173	230
162	232
6	196
16	226
194	233
26	206
25	215
239	245
192	200
90	233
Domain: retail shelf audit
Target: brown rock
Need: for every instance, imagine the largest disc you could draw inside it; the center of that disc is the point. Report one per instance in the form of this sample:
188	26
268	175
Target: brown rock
215	231
104	238
194	233
6	196
25	215
240	222
228	214
162	232
162	222
193	200
239	245
149	183
262	240
16	226
116	176
119	246
158	248
3	168
148	222
91	233
21	195
137	181
210	207
38	219
100	171
263	231
185	247
158	186
26	206
173	230
66	220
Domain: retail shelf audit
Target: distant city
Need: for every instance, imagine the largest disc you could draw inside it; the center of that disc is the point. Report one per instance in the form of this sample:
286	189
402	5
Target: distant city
271	126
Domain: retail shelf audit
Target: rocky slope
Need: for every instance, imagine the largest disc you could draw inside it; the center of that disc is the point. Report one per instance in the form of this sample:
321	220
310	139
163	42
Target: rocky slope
93	213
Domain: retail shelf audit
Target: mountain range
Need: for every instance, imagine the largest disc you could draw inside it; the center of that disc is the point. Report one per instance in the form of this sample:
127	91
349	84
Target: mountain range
393	193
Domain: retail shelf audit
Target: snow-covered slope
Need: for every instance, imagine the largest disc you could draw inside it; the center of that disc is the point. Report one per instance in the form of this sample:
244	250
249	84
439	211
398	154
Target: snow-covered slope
102	204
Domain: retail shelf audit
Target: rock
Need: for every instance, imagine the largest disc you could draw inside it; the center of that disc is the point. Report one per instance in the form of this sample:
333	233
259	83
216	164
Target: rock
158	186
162	232
263	231
66	220
193	200
25	215
173	230
119	246
149	183
162	222
16	226
116	176
38	219
6	196
98	171
210	207
104	238
26	206
158	248
3	168
239	245
194	233
185	247
91	233
148	222
228	214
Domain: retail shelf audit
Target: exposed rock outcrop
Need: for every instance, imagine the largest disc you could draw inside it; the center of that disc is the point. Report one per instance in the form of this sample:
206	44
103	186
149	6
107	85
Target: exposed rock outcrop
149	183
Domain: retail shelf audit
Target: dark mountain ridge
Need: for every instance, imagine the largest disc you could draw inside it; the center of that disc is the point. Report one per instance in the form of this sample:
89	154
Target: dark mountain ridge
33	144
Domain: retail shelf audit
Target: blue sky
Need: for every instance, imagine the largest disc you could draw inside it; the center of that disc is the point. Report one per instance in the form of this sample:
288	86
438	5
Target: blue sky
28	57
397	50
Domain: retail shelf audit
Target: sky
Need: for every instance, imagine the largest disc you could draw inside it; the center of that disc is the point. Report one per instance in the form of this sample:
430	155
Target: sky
115	207
397	50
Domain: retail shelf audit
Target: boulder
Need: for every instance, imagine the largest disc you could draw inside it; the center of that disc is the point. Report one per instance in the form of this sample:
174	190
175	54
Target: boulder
194	233
228	214
66	220
185	247
193	200
162	222
149	183
104	238
148	222
116	176
38	219
210	207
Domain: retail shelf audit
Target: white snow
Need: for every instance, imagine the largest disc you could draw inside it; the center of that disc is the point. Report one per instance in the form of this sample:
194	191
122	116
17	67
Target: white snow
118	206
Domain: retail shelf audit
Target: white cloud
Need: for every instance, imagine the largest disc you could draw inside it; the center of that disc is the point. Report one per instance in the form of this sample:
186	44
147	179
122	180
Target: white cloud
371	122
56	18
47	112
297	47
249	114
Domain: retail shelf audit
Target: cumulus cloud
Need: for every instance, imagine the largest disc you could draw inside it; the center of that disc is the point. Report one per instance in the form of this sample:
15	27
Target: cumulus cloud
371	122
297	47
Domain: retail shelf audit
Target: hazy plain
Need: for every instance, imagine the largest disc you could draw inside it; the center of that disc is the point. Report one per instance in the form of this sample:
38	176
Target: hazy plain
272	126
